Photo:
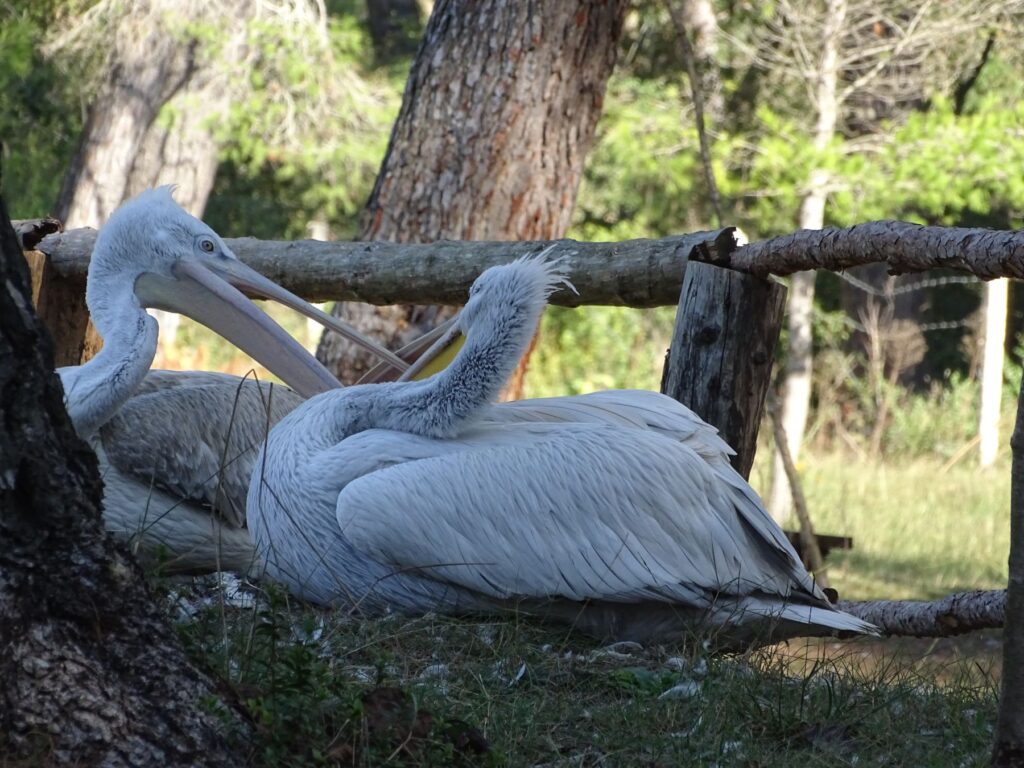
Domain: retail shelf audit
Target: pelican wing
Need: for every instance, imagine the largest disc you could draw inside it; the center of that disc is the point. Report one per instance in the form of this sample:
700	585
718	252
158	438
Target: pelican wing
638	408
195	435
588	512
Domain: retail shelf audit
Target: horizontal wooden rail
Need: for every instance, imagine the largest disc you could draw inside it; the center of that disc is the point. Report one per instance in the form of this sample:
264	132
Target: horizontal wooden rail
633	273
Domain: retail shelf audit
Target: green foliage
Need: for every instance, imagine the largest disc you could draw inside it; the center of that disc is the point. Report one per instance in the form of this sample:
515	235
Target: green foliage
40	119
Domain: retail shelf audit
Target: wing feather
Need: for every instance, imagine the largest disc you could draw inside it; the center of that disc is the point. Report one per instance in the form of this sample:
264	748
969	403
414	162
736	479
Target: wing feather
195	435
592	512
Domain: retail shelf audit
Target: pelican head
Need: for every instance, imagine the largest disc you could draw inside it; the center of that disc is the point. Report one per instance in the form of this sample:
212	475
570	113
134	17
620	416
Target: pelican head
505	303
171	260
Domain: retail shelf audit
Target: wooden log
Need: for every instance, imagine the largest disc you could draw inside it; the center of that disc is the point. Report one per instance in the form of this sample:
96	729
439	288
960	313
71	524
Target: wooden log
986	253
632	273
952	615
60	304
720	361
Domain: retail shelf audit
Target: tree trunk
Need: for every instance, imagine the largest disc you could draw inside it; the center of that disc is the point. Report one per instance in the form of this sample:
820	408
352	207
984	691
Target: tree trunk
1009	740
992	369
796	399
498	114
90	671
149	126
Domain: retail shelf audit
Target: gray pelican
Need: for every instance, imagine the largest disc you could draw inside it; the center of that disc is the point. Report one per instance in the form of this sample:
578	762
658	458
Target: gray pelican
617	512
177	446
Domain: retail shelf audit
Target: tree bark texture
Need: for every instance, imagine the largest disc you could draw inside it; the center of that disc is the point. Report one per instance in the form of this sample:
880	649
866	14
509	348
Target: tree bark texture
632	273
903	247
796	394
952	615
90	671
498	114
720	361
1009	739
150	124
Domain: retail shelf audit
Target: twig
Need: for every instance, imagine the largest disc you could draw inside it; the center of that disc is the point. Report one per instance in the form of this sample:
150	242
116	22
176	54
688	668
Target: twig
807	540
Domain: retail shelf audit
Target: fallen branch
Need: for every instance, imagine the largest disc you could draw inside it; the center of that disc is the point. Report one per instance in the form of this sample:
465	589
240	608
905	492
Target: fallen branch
633	273
986	253
952	615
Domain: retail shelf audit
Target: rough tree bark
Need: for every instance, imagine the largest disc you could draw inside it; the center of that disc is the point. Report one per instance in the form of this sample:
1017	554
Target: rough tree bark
796	395
90	672
902	247
952	615
632	273
498	114
1009	739
149	124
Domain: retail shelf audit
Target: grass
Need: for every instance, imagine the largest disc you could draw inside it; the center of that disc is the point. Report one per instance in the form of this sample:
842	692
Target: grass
313	683
919	532
326	690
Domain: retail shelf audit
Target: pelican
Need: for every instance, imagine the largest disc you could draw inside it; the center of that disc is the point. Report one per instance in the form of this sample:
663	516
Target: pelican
617	512
174	446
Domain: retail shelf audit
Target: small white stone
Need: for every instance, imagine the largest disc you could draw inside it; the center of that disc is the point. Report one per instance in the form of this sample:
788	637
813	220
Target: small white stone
684	690
434	672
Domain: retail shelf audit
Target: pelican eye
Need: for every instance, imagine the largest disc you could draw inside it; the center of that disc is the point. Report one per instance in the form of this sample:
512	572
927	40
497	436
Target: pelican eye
207	245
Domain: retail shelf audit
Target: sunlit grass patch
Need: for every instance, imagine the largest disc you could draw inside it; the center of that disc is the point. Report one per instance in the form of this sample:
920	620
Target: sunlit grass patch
919	531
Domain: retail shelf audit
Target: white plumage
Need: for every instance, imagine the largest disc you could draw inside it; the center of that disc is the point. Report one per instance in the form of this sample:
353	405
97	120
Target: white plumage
617	512
176	448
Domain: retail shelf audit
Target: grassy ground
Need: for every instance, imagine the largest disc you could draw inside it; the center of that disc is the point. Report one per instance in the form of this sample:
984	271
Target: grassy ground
918	531
434	692
327	691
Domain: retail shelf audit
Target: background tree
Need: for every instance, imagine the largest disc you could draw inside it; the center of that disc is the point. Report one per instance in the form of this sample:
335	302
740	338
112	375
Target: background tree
91	672
499	112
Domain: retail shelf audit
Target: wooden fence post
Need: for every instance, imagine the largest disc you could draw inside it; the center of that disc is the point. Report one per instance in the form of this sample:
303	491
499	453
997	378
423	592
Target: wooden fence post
720	361
60	304
1008	750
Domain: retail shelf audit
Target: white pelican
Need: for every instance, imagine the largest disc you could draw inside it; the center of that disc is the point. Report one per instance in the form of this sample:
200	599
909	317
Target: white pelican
617	512
176	446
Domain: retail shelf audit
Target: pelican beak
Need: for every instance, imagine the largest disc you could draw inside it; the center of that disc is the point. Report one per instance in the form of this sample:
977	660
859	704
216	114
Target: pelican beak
411	352
247	279
439	354
199	293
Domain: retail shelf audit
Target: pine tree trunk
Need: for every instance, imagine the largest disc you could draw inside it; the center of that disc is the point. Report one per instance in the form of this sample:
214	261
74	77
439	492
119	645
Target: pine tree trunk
796	398
149	125
90	671
498	114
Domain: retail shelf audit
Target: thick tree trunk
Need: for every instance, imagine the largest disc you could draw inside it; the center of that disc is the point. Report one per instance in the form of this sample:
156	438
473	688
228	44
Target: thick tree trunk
1009	739
149	125
90	672
499	112
796	397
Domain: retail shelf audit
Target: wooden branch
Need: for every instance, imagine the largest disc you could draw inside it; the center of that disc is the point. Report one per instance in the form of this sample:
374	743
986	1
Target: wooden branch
720	362
808	541
634	273
952	615
985	253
